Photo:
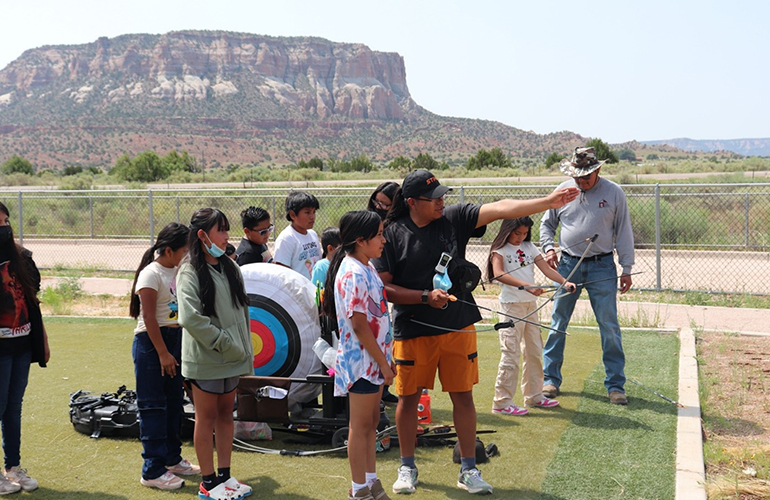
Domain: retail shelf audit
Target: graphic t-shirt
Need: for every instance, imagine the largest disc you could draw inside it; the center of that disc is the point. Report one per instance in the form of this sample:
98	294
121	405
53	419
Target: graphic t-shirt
298	251
249	252
518	262
358	288
14	320
162	280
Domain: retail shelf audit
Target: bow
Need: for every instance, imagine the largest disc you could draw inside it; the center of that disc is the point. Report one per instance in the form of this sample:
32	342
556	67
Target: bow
559	288
596	281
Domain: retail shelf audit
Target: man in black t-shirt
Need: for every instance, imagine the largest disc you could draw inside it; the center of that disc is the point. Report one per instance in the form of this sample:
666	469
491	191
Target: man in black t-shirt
431	333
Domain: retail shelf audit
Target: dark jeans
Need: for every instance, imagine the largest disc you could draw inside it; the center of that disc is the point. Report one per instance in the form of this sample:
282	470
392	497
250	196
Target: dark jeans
14	373
160	402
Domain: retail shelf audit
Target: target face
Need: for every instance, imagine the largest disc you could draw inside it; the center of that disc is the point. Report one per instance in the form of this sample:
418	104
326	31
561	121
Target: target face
274	336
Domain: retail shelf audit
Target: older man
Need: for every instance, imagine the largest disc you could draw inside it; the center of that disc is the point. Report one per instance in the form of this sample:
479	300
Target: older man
600	209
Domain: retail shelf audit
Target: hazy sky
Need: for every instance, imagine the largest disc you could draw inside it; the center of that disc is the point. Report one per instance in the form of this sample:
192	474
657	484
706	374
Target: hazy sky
618	70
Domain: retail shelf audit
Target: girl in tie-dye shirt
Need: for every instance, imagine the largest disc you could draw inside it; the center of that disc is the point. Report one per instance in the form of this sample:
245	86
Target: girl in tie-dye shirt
364	356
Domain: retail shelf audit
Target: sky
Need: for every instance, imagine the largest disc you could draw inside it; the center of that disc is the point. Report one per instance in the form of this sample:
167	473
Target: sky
617	70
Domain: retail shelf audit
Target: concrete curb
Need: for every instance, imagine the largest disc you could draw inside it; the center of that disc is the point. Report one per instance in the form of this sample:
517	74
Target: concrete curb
690	465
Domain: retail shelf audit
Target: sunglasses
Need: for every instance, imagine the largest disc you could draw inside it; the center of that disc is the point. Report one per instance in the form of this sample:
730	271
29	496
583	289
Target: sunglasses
263	232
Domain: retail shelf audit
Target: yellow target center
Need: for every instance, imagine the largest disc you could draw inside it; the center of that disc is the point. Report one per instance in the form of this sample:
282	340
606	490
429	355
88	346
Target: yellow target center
256	343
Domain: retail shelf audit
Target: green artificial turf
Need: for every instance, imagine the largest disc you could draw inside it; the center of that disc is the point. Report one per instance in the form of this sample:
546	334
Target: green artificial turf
586	448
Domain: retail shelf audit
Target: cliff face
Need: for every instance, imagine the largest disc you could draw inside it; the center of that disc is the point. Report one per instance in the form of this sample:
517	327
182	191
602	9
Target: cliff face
306	77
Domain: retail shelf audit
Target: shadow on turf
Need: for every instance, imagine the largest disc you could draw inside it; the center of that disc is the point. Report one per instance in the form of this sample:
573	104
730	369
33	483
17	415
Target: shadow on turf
63	495
637	403
452	491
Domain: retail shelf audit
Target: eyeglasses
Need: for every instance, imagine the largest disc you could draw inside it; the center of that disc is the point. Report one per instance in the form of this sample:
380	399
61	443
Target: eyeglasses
586	177
381	205
434	200
263	232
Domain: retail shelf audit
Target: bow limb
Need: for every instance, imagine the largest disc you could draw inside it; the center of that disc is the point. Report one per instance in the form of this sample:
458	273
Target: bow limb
561	286
515	318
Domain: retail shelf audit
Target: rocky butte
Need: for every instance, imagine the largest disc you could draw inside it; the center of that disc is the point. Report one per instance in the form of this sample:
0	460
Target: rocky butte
234	98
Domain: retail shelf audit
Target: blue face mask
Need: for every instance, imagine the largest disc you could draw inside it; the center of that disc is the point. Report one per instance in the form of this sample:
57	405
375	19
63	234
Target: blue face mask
213	250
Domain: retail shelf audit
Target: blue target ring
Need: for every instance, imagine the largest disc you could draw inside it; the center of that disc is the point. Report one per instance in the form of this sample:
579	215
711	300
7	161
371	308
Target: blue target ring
278	333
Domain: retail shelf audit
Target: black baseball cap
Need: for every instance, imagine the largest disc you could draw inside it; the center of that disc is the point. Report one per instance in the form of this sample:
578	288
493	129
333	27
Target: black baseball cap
423	183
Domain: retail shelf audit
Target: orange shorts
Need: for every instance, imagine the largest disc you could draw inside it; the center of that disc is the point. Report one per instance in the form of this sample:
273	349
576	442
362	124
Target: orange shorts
454	354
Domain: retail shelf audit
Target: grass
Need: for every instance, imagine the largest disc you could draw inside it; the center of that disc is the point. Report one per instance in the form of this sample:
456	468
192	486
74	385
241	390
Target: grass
586	448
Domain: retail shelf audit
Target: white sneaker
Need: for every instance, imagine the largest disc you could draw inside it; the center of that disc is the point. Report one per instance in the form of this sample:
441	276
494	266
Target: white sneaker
407	480
219	492
167	481
184	468
7	487
19	476
470	480
241	490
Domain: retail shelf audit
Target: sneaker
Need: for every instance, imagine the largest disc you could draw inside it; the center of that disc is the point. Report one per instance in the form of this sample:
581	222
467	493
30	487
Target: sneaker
470	481
7	486
550	391
19	476
618	398
241	489
513	410
218	492
362	494
378	492
184	468
546	403
407	480
167	481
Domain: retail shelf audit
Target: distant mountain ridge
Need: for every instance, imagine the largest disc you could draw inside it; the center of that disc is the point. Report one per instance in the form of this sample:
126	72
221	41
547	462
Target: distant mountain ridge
745	147
232	98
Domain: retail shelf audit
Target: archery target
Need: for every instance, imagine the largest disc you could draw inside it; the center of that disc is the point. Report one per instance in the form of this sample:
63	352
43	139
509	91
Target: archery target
284	324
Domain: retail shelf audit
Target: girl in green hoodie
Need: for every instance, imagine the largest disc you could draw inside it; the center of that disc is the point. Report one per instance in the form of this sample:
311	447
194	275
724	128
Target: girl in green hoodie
216	346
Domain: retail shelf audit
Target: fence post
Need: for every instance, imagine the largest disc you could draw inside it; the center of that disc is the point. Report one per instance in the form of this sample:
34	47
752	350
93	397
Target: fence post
177	209
152	218
21	222
657	238
91	209
462	194
747	220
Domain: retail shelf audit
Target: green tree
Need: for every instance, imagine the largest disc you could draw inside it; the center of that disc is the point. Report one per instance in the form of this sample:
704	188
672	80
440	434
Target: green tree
316	163
553	159
71	170
16	164
401	163
175	162
361	163
627	155
602	150
145	167
494	158
424	161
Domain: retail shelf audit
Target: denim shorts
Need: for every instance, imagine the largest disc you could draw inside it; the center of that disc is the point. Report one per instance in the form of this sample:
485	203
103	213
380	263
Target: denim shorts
363	386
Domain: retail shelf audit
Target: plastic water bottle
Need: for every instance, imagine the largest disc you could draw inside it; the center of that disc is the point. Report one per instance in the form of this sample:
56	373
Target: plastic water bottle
423	408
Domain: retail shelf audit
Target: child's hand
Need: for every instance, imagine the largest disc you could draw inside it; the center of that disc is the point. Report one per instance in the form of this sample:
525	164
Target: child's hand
569	286
168	365
535	291
388	374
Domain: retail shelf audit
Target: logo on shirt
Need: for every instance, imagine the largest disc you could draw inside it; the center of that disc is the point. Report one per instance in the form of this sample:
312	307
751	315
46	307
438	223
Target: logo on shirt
602	203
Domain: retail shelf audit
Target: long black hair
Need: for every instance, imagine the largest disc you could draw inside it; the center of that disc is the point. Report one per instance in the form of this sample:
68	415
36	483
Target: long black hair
173	236
204	219
398	209
506	228
361	225
18	268
388	188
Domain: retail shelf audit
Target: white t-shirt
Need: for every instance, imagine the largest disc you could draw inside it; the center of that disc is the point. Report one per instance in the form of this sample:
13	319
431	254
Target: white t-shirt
298	251
162	280
514	257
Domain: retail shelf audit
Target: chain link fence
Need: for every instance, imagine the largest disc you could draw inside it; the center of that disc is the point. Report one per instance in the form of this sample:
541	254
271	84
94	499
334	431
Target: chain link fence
697	237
